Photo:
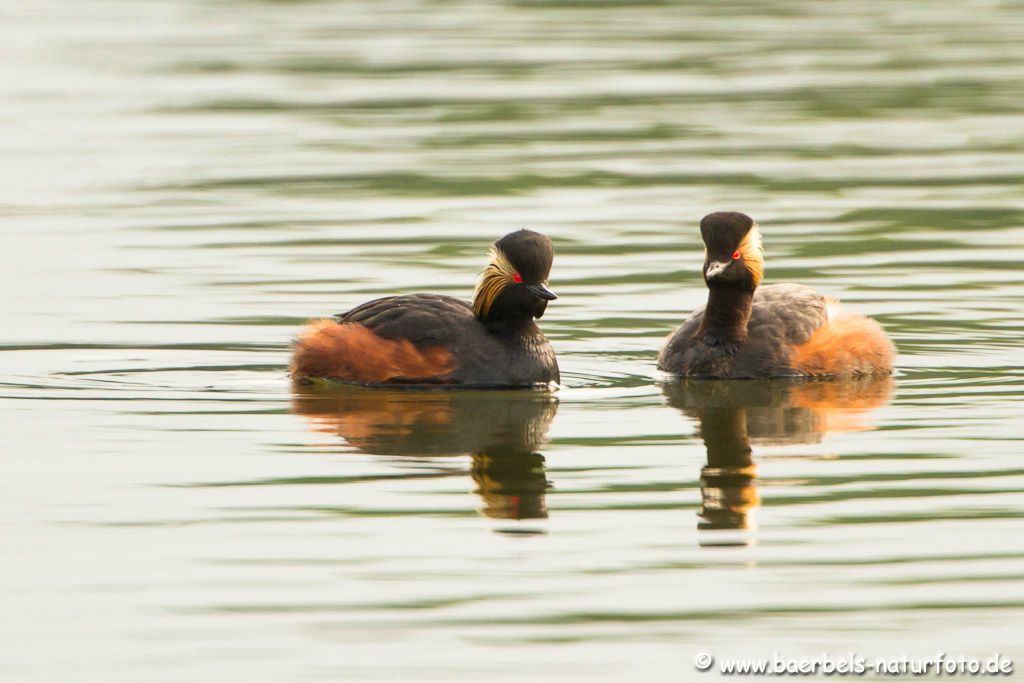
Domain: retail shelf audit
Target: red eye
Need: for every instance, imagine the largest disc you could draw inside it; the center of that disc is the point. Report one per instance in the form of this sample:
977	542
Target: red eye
736	254
517	278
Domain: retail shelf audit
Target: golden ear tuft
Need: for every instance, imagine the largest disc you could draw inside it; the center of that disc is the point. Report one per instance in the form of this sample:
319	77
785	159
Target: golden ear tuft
753	253
498	274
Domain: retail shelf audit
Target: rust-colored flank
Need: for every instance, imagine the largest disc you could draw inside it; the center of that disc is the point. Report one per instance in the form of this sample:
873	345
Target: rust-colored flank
349	352
849	344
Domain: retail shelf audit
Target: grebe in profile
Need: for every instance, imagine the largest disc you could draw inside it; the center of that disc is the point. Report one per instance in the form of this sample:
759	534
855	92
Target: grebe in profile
784	330
428	339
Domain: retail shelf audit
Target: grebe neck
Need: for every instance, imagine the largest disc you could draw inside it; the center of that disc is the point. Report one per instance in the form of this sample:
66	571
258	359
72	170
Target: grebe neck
513	327
726	315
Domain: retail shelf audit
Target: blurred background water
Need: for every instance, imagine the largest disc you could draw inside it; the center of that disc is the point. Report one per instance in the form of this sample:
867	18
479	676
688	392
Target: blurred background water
184	182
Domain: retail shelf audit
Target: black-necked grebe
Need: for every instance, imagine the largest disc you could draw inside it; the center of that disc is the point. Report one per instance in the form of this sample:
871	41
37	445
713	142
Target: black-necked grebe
784	330
428	339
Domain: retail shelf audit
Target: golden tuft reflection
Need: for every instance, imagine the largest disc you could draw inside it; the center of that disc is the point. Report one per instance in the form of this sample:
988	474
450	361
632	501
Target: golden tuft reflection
501	430
735	415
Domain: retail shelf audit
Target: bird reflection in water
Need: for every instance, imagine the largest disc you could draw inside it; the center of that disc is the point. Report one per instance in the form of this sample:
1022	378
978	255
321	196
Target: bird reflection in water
500	430
735	415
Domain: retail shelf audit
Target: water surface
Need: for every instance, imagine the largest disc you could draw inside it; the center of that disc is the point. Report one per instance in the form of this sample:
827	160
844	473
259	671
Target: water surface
184	183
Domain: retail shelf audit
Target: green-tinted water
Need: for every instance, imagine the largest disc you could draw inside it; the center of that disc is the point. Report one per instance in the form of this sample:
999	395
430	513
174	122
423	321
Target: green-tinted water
185	182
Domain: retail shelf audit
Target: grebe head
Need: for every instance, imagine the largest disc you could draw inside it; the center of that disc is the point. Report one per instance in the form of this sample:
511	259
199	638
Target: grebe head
513	286
732	250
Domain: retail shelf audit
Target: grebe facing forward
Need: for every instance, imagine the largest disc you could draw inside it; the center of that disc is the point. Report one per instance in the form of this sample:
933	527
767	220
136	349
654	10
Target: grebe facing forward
428	339
784	330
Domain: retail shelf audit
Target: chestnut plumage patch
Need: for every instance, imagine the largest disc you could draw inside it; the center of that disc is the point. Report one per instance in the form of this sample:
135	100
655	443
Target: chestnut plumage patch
849	344
349	352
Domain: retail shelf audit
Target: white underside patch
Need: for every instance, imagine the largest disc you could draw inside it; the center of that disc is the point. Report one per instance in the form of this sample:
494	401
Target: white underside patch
833	309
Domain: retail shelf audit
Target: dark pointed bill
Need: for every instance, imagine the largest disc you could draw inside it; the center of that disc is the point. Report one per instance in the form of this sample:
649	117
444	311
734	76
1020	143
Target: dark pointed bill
541	292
